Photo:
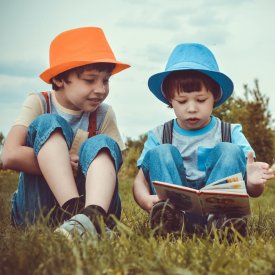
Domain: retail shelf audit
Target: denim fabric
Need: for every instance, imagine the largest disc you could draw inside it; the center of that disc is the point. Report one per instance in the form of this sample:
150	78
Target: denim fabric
88	151
33	196
164	163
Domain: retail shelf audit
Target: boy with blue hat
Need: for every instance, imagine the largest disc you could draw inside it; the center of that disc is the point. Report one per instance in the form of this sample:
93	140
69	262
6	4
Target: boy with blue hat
66	143
196	148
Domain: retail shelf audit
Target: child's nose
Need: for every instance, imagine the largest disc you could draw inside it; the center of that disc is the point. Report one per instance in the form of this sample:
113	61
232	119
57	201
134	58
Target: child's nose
191	107
100	89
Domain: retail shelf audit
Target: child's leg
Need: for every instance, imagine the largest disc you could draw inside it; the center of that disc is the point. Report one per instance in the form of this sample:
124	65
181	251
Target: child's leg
224	160
34	195
101	180
163	163
100	161
54	163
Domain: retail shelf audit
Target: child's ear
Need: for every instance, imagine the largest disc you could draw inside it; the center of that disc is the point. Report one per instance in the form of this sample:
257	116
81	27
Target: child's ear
58	82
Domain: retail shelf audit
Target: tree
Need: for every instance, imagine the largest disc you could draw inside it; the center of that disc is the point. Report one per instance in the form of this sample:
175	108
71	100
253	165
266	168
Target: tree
252	112
2	138
131	155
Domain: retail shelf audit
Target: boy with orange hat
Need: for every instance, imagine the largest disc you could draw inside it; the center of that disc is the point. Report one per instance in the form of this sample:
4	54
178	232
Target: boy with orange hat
66	143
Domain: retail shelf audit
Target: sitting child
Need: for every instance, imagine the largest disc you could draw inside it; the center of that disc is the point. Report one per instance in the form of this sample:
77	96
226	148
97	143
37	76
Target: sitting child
195	154
66	142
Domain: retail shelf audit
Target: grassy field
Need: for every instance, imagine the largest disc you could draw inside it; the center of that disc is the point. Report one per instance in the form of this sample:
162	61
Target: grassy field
134	250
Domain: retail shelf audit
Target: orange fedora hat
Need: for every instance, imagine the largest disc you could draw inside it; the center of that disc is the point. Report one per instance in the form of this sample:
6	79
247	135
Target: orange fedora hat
78	47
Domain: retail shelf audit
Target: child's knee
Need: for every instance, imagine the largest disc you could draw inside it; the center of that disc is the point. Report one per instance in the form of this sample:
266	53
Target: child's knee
164	152
230	155
44	126
96	145
228	149
48	119
48	123
100	143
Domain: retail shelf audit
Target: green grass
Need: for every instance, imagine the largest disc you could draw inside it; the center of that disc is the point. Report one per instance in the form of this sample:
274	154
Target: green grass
36	250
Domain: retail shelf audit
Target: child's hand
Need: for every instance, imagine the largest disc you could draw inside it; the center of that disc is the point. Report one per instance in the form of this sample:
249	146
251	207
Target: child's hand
150	201
257	172
74	163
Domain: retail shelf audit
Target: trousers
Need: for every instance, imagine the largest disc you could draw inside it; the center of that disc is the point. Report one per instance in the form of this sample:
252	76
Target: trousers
164	163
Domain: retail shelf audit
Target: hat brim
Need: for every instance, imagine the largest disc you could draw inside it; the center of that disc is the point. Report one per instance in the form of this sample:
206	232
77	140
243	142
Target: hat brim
226	84
48	74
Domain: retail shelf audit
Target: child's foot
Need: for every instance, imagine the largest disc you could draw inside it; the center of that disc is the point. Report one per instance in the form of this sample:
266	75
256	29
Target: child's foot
228	225
165	218
79	225
67	211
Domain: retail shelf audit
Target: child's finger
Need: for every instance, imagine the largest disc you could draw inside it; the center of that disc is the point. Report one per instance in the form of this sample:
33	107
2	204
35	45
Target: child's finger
74	157
267	176
74	165
271	173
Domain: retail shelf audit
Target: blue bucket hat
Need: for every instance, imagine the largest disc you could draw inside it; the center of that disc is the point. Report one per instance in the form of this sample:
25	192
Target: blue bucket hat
192	56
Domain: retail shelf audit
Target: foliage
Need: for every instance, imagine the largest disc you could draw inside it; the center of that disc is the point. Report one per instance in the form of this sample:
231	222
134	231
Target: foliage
2	138
135	250
253	114
131	155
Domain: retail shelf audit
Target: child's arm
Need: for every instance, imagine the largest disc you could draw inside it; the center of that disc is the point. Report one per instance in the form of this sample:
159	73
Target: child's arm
17	156
257	175
142	193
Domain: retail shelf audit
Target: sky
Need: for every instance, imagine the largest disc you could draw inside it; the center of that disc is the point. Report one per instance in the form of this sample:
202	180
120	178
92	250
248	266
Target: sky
141	33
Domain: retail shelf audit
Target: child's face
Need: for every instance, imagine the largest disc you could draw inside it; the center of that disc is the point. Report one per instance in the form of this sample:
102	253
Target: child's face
193	109
84	92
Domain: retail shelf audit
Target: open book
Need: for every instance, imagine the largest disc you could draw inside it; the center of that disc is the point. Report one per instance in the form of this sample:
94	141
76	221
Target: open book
225	196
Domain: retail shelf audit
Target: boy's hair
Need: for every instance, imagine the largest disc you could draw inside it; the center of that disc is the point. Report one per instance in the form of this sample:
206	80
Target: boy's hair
188	81
101	67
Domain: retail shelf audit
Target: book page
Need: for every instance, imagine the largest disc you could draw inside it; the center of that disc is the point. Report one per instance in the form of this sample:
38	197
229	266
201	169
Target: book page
225	203
230	179
184	198
230	187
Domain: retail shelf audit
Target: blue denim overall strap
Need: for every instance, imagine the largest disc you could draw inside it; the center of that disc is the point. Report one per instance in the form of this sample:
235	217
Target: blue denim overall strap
33	196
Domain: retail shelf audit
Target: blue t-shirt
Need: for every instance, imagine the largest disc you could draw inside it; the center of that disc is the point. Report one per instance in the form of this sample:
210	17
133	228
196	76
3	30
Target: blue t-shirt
194	146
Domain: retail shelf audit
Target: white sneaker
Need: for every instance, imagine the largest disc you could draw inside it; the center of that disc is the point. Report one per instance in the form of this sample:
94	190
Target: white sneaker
79	225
